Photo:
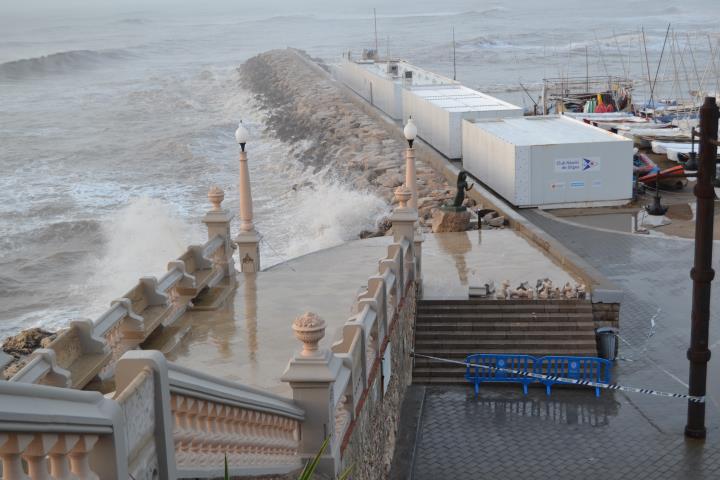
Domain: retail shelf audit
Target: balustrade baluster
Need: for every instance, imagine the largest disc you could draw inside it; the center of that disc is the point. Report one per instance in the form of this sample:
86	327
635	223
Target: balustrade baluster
36	453
59	459
204	436
80	457
215	443
12	445
235	452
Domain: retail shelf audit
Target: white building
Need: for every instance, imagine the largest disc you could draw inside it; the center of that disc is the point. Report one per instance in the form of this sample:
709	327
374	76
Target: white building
550	161
438	112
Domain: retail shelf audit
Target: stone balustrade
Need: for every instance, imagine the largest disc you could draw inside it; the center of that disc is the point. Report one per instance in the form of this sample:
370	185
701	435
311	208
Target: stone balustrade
259	432
164	421
352	392
60	433
90	349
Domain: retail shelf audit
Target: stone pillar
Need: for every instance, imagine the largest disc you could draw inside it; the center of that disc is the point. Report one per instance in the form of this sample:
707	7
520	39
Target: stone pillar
418	241
217	221
248	239
404	216
311	374
404	224
411	177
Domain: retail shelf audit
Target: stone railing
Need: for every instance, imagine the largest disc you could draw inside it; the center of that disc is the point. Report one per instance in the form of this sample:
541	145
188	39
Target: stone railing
181	423
202	277
48	432
352	393
164	421
259	432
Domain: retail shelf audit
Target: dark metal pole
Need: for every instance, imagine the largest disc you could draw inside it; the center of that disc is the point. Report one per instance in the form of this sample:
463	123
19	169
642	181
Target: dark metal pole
702	273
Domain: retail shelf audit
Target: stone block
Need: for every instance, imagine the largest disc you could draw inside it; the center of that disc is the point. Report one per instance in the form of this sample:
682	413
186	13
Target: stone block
448	221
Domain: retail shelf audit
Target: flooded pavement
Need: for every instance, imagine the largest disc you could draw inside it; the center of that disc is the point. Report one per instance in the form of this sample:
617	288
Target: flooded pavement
620	222
251	340
454	261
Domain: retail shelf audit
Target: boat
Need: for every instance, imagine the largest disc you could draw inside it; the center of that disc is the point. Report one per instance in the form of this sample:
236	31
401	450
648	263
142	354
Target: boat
665	178
642	165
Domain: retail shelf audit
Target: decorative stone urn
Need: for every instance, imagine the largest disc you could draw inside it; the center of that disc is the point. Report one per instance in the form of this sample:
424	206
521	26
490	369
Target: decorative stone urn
403	195
216	197
309	329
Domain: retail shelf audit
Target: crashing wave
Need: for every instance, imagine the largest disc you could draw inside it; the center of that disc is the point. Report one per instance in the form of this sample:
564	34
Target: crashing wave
58	63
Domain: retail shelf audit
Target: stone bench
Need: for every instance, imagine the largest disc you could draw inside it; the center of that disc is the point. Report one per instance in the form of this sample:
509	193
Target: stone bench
80	352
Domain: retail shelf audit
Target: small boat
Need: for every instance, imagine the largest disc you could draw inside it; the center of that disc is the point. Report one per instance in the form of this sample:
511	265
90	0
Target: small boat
642	165
662	148
666	177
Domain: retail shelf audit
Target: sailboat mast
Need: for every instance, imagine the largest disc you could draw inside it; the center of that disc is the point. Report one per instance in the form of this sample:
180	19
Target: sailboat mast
376	40
587	71
454	64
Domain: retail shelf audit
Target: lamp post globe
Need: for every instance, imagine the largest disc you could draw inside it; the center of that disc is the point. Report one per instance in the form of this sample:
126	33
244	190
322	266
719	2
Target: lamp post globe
242	135
410	131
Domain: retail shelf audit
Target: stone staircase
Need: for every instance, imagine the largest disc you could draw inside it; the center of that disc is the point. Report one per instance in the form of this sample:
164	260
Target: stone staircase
456	328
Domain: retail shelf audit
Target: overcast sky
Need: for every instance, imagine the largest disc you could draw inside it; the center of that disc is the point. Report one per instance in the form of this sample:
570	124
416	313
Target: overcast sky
236	7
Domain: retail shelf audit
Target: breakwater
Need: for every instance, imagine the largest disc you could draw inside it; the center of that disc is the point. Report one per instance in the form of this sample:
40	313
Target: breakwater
330	131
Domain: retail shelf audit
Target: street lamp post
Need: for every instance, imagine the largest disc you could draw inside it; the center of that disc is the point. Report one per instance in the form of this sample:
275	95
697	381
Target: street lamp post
247	240
410	132
702	272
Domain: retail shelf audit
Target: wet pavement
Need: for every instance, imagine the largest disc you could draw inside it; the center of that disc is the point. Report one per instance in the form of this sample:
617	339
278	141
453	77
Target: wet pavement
250	340
454	261
573	434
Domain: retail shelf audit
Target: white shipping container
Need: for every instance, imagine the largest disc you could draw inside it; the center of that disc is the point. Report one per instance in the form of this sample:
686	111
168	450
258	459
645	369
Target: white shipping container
382	83
549	161
438	112
371	81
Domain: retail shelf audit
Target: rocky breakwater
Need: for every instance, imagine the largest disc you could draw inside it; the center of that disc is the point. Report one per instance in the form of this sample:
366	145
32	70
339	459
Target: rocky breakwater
331	131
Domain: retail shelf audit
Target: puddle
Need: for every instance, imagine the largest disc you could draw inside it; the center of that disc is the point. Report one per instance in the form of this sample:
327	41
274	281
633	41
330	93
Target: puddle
620	222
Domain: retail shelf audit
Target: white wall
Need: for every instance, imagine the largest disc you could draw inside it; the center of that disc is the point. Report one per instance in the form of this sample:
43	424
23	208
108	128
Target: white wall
609	180
441	128
529	175
382	92
489	159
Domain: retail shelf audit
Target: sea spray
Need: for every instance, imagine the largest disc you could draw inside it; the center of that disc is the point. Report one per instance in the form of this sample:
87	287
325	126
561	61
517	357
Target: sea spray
330	213
140	239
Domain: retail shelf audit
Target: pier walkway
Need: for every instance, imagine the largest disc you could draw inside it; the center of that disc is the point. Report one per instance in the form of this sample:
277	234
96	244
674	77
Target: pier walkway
572	434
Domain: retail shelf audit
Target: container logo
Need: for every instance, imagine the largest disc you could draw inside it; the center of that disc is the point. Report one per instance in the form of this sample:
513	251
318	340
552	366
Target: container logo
577	184
590	164
582	164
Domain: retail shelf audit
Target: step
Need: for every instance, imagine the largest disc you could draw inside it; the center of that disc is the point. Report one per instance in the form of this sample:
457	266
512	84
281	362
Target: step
451	335
425	371
513	301
496	311
507	316
439	381
503	344
504	326
461	354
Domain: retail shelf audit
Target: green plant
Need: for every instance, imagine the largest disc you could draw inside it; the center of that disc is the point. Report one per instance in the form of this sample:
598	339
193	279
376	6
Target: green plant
310	467
227	471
